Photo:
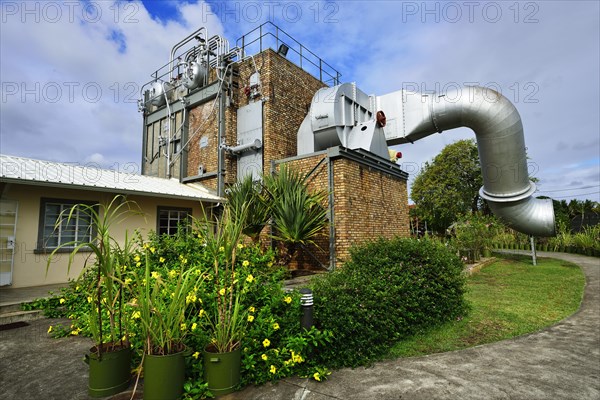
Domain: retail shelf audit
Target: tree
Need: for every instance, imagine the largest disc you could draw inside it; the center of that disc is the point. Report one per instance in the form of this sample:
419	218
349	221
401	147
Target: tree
449	186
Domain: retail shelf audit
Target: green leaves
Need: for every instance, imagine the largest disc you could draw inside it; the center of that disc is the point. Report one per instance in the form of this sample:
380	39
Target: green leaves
388	290
449	185
108	254
250	205
298	214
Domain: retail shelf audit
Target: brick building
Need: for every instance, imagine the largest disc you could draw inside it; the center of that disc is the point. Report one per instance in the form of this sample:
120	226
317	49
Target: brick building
210	139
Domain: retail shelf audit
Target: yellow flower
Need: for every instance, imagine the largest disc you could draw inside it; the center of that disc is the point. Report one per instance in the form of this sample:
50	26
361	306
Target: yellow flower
240	246
270	264
201	313
172	273
77	288
245	263
275	326
196	354
89	299
194	326
136	315
252	309
249	278
287	299
190	298
75	332
152	250
317	376
250	318
297	358
127	281
222	292
62	301
155	274
184	260
273	369
50	329
124	267
266	342
133	301
264	357
221	249
161	260
136	258
145	246
183	326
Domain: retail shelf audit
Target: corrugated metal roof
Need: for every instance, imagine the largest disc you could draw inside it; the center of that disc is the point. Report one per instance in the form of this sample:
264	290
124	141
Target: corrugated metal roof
74	176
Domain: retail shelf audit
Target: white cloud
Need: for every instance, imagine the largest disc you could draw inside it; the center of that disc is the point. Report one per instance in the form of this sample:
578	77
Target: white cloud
545	58
70	84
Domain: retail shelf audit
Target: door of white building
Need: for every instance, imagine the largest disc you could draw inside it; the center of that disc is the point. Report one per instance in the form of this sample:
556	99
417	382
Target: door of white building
8	230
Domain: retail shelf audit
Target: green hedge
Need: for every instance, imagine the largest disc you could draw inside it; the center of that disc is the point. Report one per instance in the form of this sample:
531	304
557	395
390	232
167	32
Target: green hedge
389	290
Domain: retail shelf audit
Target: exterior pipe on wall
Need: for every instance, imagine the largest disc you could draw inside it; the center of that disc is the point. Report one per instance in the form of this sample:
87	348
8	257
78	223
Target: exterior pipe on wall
501	144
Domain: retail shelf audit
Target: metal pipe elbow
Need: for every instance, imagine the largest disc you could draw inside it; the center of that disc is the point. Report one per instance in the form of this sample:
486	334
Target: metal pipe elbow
524	213
502	153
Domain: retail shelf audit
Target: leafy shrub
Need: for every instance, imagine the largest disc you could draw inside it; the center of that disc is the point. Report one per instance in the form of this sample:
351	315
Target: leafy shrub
475	232
389	290
275	313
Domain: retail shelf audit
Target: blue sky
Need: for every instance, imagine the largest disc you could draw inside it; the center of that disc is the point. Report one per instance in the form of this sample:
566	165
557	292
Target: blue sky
71	73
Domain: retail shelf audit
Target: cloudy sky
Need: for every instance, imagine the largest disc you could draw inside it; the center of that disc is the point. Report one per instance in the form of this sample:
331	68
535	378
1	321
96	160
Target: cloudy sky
71	72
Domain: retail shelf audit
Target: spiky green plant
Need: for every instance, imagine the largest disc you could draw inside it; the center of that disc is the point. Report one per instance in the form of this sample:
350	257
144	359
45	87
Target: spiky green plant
298	213
248	203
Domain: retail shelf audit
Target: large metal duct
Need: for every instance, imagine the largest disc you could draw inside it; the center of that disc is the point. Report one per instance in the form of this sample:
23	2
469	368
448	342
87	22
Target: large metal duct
499	132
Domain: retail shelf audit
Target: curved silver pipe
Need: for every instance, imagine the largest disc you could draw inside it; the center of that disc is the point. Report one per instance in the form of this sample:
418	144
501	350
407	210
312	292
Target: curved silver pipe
180	44
501	144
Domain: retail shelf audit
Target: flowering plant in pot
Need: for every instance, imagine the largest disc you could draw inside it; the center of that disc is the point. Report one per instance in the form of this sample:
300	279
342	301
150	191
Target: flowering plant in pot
159	302
227	320
110	358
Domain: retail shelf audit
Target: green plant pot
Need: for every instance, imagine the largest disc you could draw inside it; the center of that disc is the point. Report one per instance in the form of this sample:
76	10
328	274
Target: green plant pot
109	374
222	370
164	376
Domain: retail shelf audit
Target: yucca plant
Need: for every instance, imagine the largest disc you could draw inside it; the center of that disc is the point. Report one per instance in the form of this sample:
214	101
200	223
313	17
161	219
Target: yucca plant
248	203
298	214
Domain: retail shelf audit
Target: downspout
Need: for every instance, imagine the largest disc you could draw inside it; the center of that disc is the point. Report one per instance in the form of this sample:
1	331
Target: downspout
501	144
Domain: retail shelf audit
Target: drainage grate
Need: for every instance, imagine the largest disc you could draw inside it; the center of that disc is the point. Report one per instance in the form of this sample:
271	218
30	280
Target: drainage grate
14	325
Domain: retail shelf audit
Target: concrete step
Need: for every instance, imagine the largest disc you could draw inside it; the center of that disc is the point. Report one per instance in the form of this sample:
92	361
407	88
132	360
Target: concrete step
9	308
20	316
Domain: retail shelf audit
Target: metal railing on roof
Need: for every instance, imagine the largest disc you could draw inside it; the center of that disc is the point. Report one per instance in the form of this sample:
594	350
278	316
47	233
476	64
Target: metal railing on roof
269	35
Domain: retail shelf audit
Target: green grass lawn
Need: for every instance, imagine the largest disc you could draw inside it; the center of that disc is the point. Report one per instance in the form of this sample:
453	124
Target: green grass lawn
508	298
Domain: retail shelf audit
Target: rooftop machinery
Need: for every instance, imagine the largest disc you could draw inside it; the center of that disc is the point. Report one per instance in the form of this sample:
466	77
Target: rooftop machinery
199	65
344	115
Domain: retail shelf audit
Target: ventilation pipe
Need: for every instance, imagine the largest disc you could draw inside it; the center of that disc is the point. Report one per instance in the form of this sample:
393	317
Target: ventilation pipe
344	115
499	132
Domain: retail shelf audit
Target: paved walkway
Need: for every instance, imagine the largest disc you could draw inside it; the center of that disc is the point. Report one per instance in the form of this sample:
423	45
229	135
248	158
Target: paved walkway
560	362
9	295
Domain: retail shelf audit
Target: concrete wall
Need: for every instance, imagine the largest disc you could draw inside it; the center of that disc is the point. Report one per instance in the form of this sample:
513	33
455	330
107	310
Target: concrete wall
30	266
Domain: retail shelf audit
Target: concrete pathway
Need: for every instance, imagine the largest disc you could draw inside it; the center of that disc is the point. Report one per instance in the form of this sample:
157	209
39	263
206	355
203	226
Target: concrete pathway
560	362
